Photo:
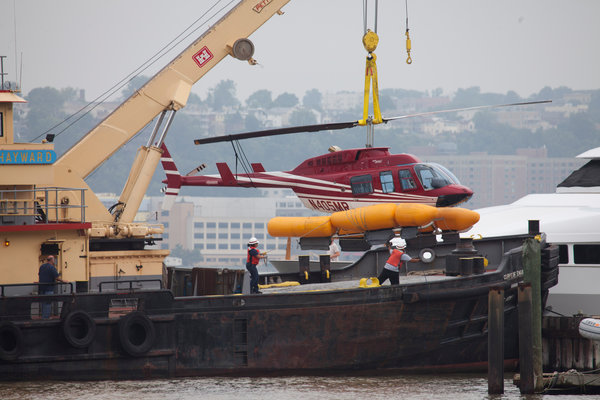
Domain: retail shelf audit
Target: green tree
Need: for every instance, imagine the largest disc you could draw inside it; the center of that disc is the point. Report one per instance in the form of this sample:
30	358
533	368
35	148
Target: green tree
45	110
223	95
260	99
251	123
302	116
286	100
313	99
234	122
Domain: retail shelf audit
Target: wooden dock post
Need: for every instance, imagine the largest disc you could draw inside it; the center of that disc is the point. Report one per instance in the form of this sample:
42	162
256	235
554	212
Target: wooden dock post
527	383
532	270
496	341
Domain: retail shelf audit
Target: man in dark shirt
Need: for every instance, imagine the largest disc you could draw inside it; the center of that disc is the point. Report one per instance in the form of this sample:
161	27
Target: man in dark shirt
47	274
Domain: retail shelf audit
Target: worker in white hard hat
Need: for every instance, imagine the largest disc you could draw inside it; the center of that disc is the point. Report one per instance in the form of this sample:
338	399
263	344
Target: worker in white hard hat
252	260
391	270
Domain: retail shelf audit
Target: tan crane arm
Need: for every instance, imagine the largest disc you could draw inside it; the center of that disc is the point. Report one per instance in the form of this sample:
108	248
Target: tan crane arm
169	88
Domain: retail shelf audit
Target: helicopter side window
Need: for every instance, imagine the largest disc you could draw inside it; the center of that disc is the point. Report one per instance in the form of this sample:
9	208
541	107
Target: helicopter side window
406	180
361	184
387	181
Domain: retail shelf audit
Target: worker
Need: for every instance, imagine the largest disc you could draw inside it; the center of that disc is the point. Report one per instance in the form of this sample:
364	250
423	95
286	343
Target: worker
334	250
391	270
252	260
48	275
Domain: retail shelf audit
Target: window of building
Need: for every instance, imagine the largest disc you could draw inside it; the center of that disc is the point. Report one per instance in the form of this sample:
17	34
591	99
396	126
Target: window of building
198	224
387	181
259	225
235	246
199	246
246	235
271	246
164	213
361	184
223	225
211	246
211	224
198	235
222	246
586	253
223	236
235	225
211	235
260	236
166	224
165	235
235	235
247	225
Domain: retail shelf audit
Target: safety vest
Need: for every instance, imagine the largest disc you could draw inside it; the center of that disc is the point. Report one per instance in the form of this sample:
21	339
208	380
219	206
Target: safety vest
395	257
252	259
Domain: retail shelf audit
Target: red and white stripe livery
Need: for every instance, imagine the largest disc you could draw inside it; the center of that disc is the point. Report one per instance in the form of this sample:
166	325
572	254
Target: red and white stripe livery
341	180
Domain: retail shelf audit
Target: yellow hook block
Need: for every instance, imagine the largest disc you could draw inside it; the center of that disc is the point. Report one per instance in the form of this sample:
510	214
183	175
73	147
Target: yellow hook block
370	41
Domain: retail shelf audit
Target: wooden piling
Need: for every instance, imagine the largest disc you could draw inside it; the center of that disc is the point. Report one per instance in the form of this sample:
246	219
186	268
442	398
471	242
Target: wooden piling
532	270
527	385
496	341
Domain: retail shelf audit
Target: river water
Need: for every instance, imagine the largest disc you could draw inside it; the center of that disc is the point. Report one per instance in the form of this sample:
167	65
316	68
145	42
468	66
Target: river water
455	387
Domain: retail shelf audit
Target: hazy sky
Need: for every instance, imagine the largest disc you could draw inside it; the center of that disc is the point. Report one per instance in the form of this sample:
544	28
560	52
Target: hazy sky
499	46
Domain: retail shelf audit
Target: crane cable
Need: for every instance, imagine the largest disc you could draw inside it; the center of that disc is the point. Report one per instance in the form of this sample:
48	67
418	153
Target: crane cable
408	46
370	41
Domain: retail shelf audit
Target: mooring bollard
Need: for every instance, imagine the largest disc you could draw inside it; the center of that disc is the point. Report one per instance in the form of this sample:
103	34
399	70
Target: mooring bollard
496	341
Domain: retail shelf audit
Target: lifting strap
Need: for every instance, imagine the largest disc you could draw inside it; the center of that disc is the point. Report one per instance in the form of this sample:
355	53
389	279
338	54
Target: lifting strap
370	41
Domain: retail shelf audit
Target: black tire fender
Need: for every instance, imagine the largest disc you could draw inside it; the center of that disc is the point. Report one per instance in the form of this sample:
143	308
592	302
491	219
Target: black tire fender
79	329
11	341
136	333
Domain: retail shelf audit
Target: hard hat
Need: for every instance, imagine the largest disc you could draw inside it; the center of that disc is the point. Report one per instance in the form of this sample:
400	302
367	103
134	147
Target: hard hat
252	241
398	243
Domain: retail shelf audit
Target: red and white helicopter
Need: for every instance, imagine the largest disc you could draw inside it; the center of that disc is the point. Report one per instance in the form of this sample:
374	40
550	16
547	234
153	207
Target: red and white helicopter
341	179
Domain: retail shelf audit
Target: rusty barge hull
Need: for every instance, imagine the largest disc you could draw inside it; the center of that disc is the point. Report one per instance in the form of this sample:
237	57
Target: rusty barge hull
430	326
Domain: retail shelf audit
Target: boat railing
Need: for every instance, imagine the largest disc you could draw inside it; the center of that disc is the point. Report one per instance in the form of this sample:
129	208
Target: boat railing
42	205
130	284
21	287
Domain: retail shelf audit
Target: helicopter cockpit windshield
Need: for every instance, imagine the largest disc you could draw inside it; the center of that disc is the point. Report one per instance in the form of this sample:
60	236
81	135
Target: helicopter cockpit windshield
435	176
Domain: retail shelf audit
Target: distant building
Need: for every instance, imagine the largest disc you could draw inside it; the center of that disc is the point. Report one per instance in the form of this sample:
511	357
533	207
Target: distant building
220	227
497	180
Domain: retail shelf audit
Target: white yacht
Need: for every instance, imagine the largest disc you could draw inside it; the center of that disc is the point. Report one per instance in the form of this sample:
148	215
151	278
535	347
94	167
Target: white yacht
570	217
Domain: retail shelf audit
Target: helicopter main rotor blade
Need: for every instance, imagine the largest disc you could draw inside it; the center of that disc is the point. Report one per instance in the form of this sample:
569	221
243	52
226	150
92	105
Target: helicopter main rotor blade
278	131
466	109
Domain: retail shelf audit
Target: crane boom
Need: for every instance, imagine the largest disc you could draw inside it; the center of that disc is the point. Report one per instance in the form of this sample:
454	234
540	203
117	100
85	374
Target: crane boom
167	90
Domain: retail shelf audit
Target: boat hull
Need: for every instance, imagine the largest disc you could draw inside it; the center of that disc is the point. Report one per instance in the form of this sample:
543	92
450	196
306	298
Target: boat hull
428	325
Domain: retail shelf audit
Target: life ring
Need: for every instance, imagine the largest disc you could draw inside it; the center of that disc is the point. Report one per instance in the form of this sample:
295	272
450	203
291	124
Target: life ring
79	329
136	333
427	255
11	341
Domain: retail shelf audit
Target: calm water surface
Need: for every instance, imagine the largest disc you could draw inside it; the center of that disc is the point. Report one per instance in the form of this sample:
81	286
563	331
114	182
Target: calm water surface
456	387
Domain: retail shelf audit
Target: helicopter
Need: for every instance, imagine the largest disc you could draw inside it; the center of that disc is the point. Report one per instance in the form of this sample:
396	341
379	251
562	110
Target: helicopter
340	180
